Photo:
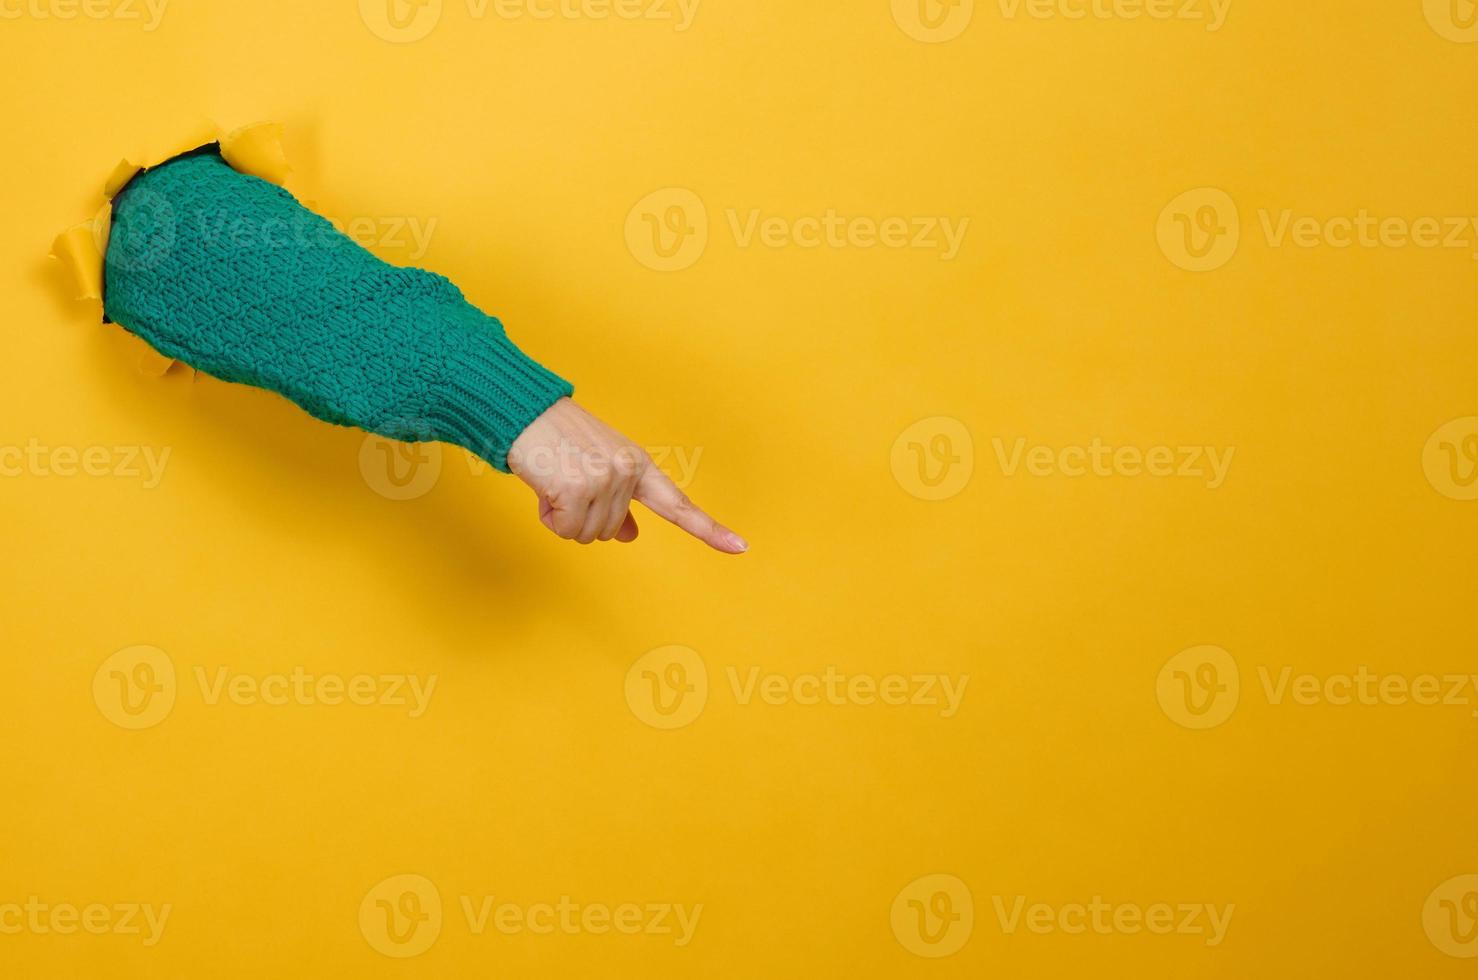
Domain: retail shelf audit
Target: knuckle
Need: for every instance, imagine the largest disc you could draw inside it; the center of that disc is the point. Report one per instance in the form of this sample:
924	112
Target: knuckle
628	461
572	487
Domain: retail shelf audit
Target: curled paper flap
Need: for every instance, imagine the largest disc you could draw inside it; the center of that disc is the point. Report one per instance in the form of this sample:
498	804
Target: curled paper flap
257	150
150	361
81	249
129	167
125	171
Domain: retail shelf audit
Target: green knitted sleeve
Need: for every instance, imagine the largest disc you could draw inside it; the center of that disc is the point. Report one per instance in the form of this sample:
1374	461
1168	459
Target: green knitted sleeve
231	275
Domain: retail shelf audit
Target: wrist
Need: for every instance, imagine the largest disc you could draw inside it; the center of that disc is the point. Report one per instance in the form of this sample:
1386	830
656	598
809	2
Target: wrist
490	393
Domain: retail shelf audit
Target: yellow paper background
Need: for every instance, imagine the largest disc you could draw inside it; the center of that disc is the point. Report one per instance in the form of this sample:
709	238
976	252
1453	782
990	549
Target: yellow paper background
270	543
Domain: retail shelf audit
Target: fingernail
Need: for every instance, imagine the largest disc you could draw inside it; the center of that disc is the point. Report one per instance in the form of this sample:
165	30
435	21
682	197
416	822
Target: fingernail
737	543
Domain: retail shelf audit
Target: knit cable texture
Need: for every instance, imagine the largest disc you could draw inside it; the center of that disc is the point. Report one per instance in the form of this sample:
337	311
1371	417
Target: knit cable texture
231	275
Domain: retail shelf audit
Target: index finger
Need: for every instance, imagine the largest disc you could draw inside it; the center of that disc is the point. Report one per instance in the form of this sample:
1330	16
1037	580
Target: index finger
664	499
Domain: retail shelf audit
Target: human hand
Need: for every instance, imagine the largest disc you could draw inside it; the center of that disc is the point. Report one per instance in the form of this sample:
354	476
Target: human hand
586	475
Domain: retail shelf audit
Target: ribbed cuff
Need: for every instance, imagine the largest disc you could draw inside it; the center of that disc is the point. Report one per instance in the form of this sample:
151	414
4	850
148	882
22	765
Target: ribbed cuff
492	392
